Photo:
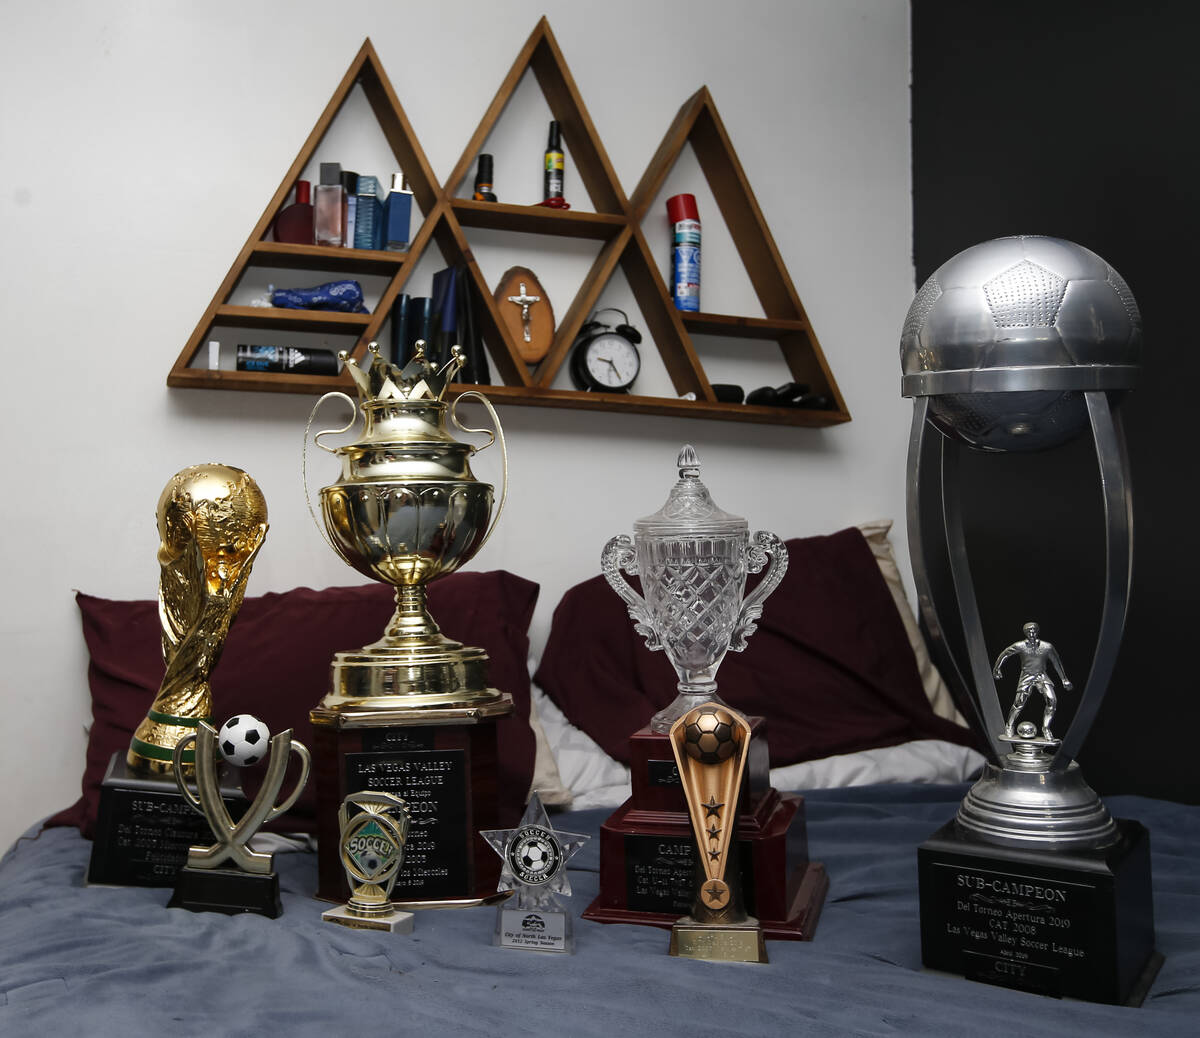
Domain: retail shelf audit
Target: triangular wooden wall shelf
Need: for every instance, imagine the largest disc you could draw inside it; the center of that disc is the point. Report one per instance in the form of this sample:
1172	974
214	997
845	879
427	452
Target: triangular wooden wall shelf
615	223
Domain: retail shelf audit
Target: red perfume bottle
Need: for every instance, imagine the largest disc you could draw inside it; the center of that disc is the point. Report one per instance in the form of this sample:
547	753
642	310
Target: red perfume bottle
295	222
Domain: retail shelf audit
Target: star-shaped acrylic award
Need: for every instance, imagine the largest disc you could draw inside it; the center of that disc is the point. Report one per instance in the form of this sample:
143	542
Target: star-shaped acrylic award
534	867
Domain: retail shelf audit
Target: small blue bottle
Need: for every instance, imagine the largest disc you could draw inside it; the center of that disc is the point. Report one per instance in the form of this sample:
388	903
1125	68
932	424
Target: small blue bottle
397	215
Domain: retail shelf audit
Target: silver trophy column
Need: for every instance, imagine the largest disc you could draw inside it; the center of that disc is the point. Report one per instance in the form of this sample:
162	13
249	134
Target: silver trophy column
1019	344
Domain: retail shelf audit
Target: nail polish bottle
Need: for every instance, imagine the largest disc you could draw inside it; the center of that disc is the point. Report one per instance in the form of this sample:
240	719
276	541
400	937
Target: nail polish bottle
295	222
397	215
329	207
483	180
552	180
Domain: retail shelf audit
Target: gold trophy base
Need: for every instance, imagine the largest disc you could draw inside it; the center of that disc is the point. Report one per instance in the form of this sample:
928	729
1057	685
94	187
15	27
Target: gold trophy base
390	922
718	942
408	674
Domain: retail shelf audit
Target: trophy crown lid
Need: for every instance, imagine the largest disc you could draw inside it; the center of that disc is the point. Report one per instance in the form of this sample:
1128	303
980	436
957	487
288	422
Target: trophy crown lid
419	379
690	510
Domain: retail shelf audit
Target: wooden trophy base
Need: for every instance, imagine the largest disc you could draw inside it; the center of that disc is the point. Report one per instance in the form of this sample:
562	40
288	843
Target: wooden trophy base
648	850
447	774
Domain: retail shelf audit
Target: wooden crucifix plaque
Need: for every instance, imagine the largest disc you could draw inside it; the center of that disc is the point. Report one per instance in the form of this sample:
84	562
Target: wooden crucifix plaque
526	311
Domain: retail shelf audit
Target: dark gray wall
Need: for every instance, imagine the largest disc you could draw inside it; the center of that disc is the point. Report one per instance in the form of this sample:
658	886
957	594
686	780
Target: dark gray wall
1079	120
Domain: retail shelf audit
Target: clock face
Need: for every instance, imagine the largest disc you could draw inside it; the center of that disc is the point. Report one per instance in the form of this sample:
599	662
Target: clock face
611	361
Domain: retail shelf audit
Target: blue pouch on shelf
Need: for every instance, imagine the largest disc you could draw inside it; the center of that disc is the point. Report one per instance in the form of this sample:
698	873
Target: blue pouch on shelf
344	296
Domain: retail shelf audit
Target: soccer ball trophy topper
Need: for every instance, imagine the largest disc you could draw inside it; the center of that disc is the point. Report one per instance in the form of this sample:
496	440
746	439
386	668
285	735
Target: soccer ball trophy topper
711	743
251	885
534	866
1018	345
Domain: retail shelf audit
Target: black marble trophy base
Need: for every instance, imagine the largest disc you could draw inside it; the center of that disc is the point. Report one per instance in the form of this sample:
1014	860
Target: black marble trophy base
227	890
1074	924
144	828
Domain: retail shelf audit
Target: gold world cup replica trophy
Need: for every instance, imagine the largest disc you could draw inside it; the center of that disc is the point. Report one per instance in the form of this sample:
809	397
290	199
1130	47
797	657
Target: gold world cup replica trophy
411	713
212	521
711	743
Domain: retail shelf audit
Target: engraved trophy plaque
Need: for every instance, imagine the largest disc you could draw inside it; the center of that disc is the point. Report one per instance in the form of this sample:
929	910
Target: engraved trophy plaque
248	882
1019	344
212	520
693	559
374	827
534	857
413	712
711	745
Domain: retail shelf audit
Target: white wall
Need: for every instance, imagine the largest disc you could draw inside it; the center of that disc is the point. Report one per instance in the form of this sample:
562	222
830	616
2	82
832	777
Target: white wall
140	142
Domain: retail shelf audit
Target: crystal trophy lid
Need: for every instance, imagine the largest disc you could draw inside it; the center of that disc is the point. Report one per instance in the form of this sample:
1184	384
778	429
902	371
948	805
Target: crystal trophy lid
690	510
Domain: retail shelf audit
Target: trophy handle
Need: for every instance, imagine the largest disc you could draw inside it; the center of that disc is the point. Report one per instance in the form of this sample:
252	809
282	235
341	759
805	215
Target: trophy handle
762	545
180	781
492	438
330	450
619	555
301	751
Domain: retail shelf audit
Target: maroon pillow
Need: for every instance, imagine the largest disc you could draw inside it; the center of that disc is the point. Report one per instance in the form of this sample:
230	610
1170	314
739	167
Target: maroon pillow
276	665
830	666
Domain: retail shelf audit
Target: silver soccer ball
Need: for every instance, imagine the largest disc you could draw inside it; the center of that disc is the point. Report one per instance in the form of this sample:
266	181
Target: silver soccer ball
1005	336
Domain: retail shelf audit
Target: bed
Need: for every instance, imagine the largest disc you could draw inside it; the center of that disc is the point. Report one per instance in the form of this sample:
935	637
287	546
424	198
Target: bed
853	706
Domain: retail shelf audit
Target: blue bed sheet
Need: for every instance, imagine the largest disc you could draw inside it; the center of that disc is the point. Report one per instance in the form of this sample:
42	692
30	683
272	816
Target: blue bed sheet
114	961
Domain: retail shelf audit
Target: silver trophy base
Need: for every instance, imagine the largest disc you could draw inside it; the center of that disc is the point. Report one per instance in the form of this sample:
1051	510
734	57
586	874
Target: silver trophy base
1026	804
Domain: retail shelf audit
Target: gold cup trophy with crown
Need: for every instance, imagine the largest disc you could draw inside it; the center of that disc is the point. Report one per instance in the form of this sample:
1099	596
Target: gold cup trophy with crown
411	713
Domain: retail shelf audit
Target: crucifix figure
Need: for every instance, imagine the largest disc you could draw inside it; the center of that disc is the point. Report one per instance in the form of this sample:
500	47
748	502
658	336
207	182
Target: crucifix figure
524	301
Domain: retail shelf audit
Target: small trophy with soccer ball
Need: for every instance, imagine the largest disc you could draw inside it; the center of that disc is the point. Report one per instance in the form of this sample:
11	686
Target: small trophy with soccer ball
710	744
535	867
374	829
247	883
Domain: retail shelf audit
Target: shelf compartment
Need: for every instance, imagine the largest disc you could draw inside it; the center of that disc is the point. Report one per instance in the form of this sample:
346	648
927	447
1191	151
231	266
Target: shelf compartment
536	219
294	320
768	328
321	257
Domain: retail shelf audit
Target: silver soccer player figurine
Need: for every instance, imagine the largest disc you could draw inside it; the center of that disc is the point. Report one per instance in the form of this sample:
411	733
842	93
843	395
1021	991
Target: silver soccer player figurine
1035	654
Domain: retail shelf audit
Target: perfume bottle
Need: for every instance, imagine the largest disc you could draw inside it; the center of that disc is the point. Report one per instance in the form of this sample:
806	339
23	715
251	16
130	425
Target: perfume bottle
350	189
483	180
329	207
295	222
552	180
397	215
368	221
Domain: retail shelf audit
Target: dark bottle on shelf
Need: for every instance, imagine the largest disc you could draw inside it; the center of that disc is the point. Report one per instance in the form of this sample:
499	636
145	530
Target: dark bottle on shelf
294	223
552	181
483	180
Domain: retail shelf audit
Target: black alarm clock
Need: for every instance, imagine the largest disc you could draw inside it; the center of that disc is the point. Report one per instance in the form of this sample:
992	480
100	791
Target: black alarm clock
605	358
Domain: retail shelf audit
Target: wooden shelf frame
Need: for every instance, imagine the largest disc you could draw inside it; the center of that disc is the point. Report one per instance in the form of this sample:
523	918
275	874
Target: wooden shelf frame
615	224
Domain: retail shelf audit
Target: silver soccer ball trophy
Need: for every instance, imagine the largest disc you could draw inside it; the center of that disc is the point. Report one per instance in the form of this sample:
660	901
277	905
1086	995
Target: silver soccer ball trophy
1018	344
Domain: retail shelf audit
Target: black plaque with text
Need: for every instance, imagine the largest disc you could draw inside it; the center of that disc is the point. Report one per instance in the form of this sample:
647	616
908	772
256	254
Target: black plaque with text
1076	924
660	873
144	828
434	785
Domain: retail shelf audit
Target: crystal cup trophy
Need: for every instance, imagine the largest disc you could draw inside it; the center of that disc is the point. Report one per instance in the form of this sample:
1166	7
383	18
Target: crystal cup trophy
693	559
1017	345
411	713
